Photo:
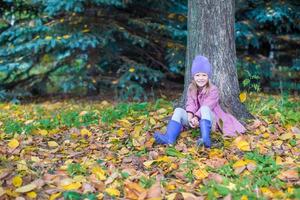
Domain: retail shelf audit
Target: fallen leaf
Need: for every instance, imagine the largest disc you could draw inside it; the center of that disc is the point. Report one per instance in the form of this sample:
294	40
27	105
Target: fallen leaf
31	195
13	144
111	178
200	173
42	132
216	177
243	145
17	181
52	144
112	192
26	188
72	186
54	196
243	96
148	164
155	191
286	136
240	163
152	121
85	132
2	191
99	172
289	175
190	196
134	191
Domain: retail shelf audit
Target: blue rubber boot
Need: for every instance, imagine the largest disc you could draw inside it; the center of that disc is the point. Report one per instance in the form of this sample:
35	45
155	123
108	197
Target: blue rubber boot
205	128
173	131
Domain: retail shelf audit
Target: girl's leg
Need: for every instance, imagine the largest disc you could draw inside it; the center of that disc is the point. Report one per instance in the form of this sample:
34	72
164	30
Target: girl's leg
205	126
206	113
180	116
173	129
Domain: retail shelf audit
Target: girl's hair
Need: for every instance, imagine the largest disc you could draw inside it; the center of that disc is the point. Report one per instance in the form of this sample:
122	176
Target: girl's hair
193	87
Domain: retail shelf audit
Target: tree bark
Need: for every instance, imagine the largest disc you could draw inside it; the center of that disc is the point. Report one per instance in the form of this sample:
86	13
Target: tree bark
211	33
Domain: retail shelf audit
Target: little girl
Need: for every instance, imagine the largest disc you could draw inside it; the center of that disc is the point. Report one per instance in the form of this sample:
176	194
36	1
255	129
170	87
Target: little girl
202	109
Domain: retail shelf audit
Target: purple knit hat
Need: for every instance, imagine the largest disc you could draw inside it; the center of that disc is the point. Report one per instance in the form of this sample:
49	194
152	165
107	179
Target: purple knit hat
201	64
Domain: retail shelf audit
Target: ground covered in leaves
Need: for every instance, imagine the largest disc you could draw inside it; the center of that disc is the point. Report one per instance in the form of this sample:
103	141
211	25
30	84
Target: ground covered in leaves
99	150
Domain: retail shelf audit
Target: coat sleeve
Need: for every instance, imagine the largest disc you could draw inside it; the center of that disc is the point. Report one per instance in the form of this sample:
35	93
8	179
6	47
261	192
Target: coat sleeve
191	102
211	100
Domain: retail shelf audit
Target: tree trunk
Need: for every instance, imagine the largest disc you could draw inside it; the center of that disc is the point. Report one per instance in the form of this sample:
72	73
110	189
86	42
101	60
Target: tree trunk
211	33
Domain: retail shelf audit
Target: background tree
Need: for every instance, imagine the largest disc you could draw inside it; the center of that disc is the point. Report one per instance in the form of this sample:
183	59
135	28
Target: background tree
211	33
129	46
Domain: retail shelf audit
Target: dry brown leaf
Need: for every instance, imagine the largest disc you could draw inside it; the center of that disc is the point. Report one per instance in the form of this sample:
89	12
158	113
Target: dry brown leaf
289	175
216	177
155	191
134	191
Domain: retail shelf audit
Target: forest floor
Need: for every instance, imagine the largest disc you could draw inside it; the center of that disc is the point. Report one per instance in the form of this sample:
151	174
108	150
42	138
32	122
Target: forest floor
90	148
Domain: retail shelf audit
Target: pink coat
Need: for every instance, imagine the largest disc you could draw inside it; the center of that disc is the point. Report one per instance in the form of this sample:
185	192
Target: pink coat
227	123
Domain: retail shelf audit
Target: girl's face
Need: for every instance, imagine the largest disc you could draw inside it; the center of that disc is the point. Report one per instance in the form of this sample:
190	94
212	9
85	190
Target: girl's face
201	79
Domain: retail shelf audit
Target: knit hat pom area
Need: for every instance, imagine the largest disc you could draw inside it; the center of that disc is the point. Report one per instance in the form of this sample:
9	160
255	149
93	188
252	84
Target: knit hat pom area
201	64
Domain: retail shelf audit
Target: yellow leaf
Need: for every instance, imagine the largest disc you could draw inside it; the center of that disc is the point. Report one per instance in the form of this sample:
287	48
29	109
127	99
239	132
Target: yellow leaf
26	188
131	70
171	196
43	132
231	186
266	191
163	159
170	187
31	195
243	97
85	30
152	121
99	172
2	191
112	192
290	190
243	145
48	38
72	186
125	123
244	197
54	196
11	193
266	135
278	160
52	144
17	181
13	144
134	190
286	136
147	164
200	174
137	130
22	165
277	143
240	163
100	196
66	36
35	159
120	132
79	178
215	153
135	143
161	111
85	132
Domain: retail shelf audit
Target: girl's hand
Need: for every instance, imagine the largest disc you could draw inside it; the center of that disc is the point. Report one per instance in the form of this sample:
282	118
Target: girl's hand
194	122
